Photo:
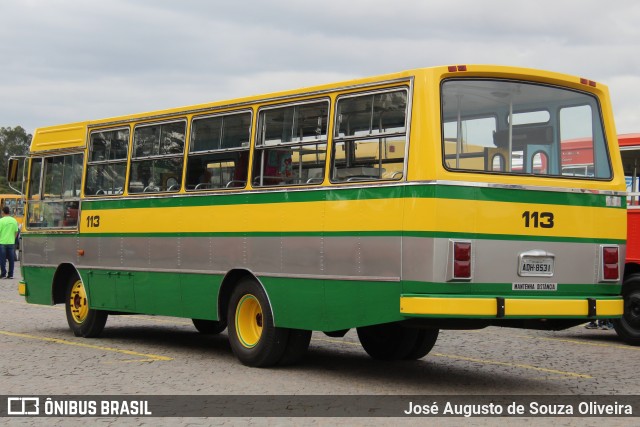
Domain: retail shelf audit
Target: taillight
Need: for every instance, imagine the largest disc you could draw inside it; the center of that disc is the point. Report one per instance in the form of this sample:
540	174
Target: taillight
461	260
610	264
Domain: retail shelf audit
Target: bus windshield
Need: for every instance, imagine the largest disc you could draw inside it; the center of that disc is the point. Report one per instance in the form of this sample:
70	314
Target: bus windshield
501	126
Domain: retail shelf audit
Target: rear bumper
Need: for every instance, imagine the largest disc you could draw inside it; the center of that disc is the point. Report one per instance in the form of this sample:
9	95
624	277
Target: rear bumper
510	307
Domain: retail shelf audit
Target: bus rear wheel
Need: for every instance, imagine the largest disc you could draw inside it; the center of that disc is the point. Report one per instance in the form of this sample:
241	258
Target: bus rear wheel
425	341
253	336
628	327
209	327
82	320
297	346
393	341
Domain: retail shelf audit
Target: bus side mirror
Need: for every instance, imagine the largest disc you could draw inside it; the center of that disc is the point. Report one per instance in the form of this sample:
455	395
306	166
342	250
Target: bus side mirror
12	170
15	173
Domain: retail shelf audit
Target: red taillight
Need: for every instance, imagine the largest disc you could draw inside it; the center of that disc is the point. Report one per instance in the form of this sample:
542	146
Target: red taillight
610	270
462	260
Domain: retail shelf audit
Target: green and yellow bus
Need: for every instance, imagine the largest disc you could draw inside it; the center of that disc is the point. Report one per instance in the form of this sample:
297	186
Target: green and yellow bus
398	205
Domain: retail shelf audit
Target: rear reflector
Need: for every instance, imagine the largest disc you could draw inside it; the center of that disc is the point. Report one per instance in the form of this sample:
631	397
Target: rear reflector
610	269
461	260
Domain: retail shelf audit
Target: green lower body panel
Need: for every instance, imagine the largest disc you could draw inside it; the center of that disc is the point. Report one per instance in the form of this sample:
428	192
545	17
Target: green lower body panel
325	305
313	304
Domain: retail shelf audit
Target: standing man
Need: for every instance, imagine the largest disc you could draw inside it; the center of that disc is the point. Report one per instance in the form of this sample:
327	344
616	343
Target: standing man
8	234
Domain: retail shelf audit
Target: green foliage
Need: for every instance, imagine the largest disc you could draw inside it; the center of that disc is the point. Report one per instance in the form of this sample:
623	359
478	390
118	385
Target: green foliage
13	142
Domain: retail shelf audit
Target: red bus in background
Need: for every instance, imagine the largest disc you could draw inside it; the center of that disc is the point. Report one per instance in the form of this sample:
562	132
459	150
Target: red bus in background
628	327
577	157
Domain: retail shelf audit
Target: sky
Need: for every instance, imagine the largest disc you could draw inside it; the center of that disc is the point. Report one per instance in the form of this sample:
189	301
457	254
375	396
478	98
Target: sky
64	61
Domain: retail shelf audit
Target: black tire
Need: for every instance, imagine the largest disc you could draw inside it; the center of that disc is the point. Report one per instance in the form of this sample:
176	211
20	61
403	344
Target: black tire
628	327
83	321
253	337
209	327
297	346
424	343
388	341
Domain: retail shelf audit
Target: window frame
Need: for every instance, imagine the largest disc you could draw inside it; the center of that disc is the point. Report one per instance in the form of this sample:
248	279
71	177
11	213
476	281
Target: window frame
260	148
69	205
221	151
590	100
125	161
336	138
155	157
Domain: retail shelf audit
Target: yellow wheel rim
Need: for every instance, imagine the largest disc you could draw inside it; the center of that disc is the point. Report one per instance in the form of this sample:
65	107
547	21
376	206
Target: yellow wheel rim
78	302
249	321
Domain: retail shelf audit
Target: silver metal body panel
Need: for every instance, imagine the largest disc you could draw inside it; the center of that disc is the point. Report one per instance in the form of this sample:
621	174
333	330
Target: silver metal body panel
386	258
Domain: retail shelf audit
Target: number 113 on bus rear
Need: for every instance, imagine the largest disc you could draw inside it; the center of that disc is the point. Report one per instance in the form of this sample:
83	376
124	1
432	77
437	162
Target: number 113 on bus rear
398	205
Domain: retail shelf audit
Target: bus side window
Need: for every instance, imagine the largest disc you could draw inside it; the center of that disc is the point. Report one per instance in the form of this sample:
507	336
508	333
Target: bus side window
219	151
157	159
291	149
370	136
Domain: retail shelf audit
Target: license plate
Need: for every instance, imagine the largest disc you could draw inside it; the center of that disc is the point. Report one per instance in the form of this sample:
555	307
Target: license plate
536	266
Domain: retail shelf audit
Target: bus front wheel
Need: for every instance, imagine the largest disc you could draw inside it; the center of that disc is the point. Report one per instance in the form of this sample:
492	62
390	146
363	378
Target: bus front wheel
82	320
209	327
628	327
253	336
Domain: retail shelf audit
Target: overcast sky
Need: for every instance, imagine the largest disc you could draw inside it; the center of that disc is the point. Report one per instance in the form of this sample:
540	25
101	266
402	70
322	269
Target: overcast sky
64	61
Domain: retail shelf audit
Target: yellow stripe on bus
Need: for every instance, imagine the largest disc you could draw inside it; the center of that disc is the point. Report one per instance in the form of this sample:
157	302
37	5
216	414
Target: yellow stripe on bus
461	216
469	216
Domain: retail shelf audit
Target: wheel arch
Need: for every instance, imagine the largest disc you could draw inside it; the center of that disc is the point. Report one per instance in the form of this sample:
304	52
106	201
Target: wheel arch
61	280
229	282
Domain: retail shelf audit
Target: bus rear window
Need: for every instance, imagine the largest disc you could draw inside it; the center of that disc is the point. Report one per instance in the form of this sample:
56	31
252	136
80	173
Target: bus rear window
499	126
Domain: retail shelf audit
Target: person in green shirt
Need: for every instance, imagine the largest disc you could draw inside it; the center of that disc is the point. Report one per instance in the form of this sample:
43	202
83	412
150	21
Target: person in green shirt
8	234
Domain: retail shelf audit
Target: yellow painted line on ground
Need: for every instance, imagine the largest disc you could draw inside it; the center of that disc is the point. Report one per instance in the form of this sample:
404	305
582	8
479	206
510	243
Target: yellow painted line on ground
574	341
147	357
482	361
133	316
158	320
336	341
19	302
515	365
567	340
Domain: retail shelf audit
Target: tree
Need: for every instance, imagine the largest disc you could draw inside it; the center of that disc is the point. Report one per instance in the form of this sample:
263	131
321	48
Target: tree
13	142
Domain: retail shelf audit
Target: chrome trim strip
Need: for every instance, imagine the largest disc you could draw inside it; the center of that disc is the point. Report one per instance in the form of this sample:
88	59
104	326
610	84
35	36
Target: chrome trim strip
519	187
338	186
224	273
332	277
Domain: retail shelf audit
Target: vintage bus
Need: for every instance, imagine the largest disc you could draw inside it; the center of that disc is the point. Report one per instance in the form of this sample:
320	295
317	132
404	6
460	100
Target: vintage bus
398	205
628	327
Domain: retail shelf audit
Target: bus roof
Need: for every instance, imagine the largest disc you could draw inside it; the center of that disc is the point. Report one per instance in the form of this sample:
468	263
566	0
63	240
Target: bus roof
74	135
